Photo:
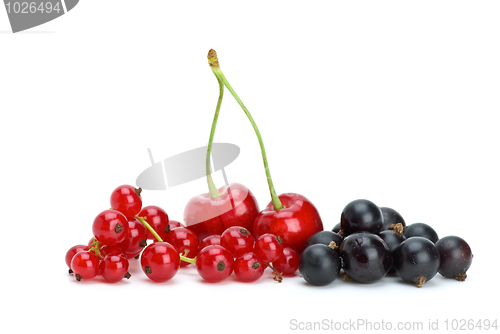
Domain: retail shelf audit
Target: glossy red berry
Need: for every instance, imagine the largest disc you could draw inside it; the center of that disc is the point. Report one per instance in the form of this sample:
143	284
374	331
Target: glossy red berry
184	241
85	265
71	252
237	240
213	239
269	247
127	200
288	263
110	227
160	261
114	267
157	218
248	267
135	241
214	263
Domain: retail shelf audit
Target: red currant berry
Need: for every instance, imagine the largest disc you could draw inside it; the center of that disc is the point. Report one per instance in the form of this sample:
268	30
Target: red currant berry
127	200
85	265
184	241
113	249
269	247
157	218
288	263
213	239
237	240
110	227
114	267
248	267
136	237
160	261
71	252
214	263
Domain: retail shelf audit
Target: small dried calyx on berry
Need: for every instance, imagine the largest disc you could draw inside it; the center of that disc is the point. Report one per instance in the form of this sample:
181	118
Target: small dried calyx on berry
221	266
118	228
397	228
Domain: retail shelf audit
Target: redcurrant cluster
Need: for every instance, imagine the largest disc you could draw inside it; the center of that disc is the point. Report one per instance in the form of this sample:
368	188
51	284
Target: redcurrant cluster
123	231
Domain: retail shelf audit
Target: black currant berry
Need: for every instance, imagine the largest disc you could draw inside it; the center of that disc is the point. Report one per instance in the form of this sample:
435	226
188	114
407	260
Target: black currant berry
416	260
325	238
366	257
336	228
421	230
456	257
391	217
319	264
393	238
361	215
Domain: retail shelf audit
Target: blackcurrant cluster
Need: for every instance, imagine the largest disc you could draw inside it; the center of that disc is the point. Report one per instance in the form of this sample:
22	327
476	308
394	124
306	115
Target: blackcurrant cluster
127	231
371	241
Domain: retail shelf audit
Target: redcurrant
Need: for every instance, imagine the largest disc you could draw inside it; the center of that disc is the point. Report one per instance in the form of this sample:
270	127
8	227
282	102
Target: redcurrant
184	241
157	218
288	263
213	239
237	240
85	265
269	247
127	200
71	252
114	267
214	263
160	261
110	227
136	237
248	267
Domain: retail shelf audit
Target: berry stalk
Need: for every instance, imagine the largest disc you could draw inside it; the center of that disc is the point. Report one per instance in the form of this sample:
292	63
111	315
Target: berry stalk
153	232
212	189
213	61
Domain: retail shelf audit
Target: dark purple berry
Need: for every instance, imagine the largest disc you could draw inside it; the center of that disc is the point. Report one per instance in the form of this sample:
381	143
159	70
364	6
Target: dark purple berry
325	238
319	264
361	215
366	257
421	230
416	260
391	217
456	257
393	239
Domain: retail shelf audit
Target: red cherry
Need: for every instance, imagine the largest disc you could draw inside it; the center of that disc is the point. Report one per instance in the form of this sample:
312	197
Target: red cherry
248	267
294	223
237	240
110	227
114	267
160	261
269	247
236	206
214	263
85	265
184	241
72	251
127	200
213	239
288	263
157	218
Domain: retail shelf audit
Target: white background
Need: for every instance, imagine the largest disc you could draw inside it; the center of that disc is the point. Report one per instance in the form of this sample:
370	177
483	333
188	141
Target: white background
392	101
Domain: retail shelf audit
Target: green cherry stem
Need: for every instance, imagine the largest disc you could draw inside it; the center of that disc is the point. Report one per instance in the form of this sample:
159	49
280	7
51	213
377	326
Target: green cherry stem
212	189
213	61
150	229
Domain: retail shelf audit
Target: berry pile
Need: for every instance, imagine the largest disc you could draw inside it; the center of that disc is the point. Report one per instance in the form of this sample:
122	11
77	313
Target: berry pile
371	241
122	233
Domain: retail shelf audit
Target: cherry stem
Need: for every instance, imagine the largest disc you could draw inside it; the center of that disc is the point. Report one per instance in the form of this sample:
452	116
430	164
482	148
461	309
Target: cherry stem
158	238
212	189
213	61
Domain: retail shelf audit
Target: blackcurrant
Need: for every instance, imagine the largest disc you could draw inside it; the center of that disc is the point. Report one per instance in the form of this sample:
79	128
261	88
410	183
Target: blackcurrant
391	217
392	238
421	230
361	215
366	257
336	228
456	257
325	238
416	260
319	264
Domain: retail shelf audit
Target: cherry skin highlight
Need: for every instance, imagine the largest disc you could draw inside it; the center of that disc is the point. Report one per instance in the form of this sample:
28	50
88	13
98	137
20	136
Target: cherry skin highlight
236	206
127	200
294	224
214	263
